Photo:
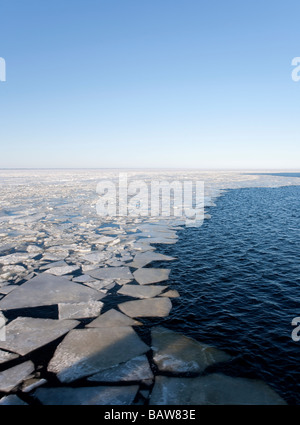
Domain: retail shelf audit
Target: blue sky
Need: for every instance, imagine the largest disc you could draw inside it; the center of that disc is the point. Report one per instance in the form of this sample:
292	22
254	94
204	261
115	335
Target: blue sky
140	83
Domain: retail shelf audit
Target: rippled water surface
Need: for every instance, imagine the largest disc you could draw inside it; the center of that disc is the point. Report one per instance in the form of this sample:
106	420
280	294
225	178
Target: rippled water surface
238	276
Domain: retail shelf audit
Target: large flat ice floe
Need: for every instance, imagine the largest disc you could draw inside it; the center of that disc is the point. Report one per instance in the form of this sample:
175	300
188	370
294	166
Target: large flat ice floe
113	319
84	352
152	307
214	389
26	334
137	369
174	352
10	378
87	395
114	273
138	291
150	275
46	289
144	258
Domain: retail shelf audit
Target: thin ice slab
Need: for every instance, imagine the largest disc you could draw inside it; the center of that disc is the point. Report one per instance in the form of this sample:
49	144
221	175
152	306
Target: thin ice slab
174	352
46	289
87	395
113	273
149	275
10	378
138	291
79	310
142	259
5	356
171	294
85	352
25	334
152	307
111	319
7	289
137	369
214	389
60	271
12	400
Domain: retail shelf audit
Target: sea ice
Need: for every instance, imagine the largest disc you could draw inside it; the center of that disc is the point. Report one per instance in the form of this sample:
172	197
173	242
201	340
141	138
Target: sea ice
137	369
85	352
152	307
142	259
150	275
79	310
112	318
138	291
12	400
171	294
114	273
5	356
32	383
174	352
10	378
46	289
25	334
87	395
214	389
60	271
7	289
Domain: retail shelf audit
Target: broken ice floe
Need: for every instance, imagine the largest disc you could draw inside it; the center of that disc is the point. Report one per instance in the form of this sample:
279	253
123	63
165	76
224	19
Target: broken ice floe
150	275
25	334
5	356
114	273
142	259
152	307
87	395
10	378
138	291
60	271
174	352
46	289
113	318
137	369
32	383
213	389
81	310
12	400
84	352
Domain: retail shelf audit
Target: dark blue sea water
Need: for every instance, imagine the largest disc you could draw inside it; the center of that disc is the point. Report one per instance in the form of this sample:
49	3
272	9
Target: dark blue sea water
239	280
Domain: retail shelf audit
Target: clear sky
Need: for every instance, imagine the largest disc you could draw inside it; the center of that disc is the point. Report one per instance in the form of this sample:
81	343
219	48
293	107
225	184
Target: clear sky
149	83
